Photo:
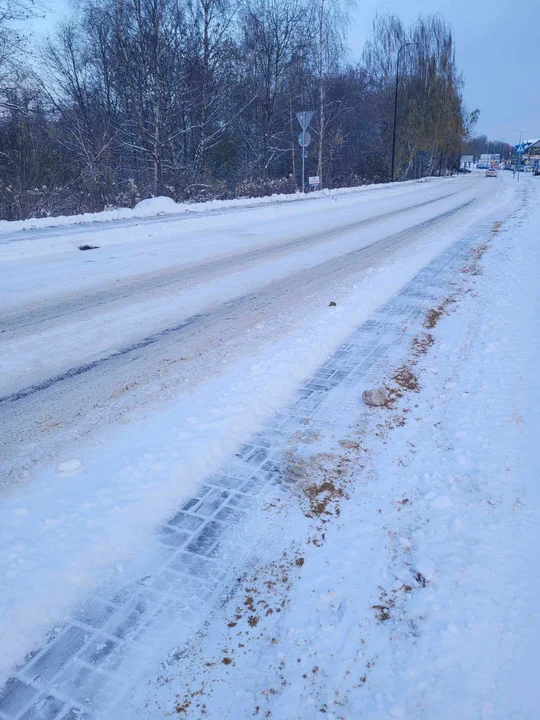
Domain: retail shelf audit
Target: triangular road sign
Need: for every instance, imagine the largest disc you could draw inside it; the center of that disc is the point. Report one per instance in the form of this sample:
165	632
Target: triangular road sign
304	118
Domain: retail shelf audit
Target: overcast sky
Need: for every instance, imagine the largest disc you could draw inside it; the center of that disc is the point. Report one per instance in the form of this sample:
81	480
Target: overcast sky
497	48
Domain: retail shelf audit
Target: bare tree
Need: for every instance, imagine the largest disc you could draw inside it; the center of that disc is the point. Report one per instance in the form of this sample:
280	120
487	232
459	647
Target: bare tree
331	20
275	43
197	98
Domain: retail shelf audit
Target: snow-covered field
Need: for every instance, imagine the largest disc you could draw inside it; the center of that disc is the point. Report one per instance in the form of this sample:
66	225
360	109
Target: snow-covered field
201	518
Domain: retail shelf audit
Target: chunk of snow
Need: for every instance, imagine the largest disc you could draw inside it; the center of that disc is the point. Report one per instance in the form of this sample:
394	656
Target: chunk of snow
156	206
69	466
375	398
441	501
425	567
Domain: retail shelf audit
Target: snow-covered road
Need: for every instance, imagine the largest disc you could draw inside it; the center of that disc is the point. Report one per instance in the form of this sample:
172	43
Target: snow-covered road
178	416
85	335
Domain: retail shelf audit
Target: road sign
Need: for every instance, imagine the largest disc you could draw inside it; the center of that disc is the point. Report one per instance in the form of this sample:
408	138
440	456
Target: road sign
314	180
304	138
520	149
304	118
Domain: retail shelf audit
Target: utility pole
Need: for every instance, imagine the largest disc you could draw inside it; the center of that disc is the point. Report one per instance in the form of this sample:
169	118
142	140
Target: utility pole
518	154
395	107
303	161
460	126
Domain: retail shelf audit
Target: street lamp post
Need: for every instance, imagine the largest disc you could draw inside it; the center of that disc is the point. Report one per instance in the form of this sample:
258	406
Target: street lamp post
518	158
395	107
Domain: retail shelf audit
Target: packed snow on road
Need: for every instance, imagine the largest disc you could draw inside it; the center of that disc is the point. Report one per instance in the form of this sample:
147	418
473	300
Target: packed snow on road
201	515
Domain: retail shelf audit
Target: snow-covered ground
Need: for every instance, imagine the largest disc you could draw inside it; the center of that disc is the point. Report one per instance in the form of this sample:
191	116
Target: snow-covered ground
337	562
399	578
90	336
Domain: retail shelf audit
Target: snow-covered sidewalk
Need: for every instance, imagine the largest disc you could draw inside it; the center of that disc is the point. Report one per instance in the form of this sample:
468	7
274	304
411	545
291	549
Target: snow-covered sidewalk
400	575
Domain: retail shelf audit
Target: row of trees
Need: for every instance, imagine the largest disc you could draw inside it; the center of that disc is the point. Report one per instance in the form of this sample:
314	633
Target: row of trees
198	98
480	144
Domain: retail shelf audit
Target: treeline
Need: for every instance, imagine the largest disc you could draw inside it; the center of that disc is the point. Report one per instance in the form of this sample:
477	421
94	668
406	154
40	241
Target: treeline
197	99
480	144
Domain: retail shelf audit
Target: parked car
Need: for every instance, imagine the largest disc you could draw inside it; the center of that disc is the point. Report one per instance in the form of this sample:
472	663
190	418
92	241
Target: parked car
491	172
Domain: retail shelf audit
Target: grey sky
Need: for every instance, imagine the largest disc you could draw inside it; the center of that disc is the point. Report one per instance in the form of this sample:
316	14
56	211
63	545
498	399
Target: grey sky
497	48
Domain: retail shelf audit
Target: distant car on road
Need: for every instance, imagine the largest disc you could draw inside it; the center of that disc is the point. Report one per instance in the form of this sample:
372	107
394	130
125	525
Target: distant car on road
491	172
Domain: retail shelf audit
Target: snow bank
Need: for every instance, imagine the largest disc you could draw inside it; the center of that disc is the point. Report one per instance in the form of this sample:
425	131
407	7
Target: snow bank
156	206
162	205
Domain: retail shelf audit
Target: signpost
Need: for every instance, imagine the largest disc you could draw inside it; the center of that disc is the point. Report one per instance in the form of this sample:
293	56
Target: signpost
314	181
520	149
304	118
